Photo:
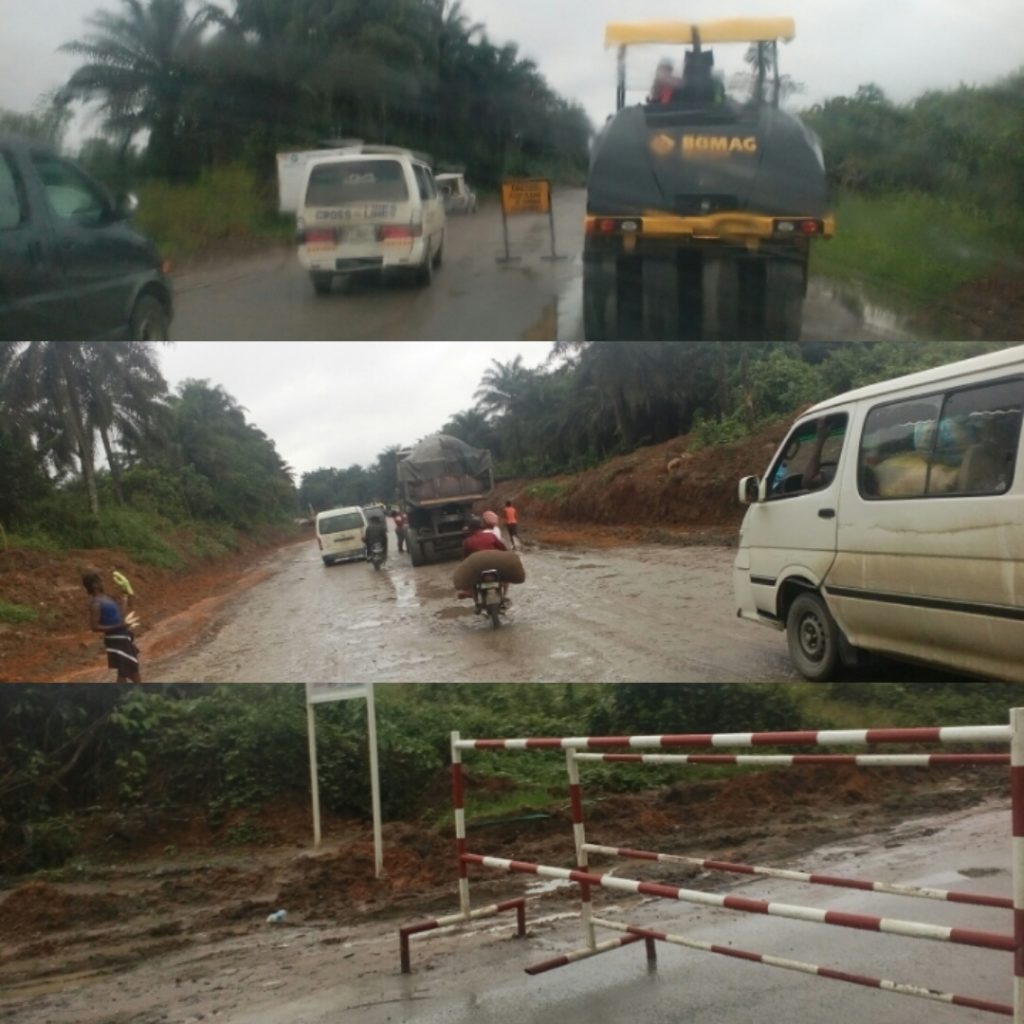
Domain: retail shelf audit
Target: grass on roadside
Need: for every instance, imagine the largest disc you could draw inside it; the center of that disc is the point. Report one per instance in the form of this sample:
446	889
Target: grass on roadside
225	206
915	247
15	614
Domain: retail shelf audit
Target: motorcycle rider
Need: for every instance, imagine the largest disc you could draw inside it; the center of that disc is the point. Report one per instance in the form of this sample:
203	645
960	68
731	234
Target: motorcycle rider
482	539
376	533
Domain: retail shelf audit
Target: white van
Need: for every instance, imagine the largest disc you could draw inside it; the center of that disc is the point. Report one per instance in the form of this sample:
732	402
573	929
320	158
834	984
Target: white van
370	212
339	533
892	521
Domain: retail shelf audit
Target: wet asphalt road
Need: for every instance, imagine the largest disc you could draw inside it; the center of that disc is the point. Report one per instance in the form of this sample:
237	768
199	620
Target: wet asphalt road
626	615
268	297
470	984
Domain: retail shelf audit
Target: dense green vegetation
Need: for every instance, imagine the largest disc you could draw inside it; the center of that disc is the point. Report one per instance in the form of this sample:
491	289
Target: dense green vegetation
931	192
68	751
196	98
598	399
95	452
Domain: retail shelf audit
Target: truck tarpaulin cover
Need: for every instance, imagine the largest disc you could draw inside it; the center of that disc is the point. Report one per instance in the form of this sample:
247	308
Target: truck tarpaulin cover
445	467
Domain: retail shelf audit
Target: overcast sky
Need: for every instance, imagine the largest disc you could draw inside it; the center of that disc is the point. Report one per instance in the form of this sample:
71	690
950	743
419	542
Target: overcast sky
343	402
905	46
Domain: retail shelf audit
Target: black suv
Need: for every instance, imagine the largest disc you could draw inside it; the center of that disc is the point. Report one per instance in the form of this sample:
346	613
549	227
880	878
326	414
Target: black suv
71	265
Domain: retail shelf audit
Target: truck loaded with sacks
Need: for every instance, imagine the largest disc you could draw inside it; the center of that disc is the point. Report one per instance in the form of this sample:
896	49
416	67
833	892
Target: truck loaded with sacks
439	481
702	206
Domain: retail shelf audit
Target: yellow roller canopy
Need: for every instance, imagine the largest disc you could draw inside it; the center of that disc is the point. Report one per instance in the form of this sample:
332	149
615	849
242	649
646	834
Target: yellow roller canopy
725	30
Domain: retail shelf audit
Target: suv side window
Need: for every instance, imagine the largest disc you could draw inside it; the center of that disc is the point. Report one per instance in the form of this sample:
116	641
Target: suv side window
810	459
70	195
12	201
951	445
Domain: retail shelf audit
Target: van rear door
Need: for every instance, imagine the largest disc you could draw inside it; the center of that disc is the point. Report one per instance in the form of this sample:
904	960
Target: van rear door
357	198
794	531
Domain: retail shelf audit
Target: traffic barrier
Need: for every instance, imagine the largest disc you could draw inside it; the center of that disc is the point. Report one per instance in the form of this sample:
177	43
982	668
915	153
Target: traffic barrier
579	751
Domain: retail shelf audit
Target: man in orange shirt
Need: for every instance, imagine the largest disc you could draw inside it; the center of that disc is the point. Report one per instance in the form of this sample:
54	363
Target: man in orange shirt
512	524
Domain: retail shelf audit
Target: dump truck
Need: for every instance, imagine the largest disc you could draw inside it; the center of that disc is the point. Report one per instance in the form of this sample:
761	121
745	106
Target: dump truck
439	481
702	206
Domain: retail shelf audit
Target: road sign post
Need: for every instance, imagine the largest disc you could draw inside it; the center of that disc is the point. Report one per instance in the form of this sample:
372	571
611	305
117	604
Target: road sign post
325	693
521	196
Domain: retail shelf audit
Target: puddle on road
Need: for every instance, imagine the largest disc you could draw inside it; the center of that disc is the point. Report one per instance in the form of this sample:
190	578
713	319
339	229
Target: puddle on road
547	885
453	613
562	319
405	590
854	298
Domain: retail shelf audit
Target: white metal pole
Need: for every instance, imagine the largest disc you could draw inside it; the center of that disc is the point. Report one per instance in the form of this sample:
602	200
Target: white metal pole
314	779
579	834
1017	787
458	800
378	838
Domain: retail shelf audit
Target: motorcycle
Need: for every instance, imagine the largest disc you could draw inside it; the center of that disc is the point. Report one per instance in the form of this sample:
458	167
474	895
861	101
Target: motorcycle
377	555
488	598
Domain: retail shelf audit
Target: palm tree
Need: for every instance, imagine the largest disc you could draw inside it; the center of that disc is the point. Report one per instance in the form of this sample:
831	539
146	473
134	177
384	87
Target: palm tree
123	392
43	386
142	64
502	391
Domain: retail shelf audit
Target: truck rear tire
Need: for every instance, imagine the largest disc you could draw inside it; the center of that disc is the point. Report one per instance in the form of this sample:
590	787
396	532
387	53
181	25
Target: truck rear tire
661	299
599	303
416	554
720	299
783	300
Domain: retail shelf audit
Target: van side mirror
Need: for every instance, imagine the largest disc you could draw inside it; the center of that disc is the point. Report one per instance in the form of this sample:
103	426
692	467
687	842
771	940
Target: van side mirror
750	490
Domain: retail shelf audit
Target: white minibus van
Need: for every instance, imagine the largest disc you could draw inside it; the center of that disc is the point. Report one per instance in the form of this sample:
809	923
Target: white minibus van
892	521
376	210
339	533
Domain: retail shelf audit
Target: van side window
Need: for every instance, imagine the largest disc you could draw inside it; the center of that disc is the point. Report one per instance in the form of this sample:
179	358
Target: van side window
421	180
12	206
944	446
810	459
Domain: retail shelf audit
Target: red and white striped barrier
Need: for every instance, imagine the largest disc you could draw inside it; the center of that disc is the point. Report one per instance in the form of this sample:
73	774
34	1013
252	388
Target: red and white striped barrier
609	750
828	738
915	892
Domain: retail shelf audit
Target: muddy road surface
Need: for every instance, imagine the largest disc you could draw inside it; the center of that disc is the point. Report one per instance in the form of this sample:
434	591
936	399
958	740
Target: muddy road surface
186	941
622	615
268	297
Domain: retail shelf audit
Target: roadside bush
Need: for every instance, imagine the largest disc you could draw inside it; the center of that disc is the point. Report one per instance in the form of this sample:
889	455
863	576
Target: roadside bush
226	204
16	613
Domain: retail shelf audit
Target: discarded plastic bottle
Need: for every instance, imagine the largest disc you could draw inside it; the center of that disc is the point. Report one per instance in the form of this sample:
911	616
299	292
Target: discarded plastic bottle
277	917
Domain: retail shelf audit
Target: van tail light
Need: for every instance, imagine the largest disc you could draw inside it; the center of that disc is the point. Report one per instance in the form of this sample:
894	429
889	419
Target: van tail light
317	236
398	232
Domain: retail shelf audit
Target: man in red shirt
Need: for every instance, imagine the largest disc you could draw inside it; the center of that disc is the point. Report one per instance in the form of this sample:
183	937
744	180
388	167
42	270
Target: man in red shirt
480	539
401	526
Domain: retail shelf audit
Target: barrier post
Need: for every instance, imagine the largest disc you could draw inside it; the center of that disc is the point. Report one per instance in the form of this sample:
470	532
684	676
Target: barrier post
459	803
1017	785
579	834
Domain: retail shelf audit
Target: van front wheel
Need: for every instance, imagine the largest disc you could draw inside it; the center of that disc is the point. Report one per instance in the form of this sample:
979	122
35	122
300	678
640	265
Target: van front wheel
813	638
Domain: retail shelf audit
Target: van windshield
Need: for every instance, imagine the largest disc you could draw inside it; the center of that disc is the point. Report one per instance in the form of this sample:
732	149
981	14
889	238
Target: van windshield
341	523
357	181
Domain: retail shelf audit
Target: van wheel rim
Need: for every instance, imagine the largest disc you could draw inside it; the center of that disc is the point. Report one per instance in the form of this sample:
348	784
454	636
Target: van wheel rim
813	638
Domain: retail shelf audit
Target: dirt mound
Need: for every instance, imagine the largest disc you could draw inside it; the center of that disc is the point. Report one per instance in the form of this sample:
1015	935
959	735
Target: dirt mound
323	885
38	907
645	500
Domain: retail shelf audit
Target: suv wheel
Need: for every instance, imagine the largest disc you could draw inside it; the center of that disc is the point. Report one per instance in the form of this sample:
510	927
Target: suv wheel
149	321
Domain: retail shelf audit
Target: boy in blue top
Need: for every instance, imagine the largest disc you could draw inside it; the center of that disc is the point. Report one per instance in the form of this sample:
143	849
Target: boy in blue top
107	616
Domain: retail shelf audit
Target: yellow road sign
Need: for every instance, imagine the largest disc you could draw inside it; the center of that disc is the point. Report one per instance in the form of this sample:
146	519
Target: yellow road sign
525	195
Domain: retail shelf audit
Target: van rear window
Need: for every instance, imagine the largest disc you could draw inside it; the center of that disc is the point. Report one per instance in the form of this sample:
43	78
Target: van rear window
357	181
339	524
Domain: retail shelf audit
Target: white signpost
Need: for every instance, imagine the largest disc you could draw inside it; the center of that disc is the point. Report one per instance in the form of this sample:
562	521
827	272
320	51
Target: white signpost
326	693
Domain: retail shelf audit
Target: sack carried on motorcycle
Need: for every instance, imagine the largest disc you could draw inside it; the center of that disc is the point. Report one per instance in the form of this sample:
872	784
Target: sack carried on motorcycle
507	563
